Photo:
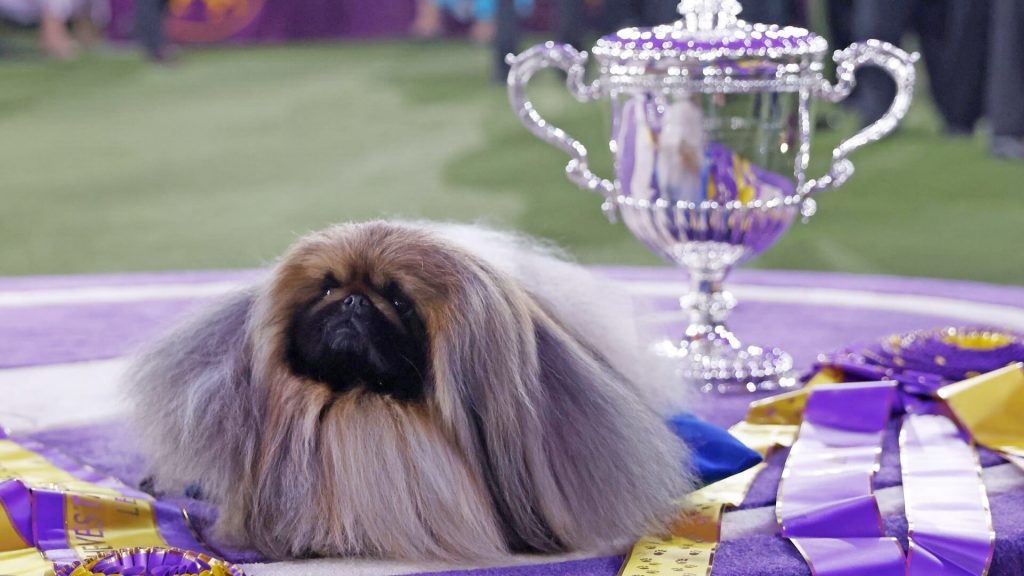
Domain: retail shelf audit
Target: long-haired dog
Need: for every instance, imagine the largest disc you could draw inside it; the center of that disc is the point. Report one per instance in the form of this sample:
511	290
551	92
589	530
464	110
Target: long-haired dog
413	391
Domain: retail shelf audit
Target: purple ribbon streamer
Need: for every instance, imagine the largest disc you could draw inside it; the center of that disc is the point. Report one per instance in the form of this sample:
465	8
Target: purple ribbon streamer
826	504
852	556
946	505
48	524
17	503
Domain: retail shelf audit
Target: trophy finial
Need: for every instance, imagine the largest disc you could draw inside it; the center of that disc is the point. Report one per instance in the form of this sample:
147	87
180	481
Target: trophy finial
707	15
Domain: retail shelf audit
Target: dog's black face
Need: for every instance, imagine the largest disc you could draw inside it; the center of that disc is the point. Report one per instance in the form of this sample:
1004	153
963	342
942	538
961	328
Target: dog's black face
358	335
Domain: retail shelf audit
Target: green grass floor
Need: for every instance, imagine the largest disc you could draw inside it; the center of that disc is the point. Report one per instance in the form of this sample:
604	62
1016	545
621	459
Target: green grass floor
109	164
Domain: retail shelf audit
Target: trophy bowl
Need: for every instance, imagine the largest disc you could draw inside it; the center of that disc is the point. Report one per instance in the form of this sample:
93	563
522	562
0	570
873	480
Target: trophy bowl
710	134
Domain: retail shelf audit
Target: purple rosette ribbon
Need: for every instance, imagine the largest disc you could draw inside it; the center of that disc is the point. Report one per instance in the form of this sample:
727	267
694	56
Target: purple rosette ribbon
926	360
152	562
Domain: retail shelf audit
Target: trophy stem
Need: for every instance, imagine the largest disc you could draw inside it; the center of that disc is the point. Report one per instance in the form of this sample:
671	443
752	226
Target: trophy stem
708	304
710	356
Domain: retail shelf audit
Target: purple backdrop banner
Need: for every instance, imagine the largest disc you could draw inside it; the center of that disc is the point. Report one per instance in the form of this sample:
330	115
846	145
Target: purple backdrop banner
252	21
243	21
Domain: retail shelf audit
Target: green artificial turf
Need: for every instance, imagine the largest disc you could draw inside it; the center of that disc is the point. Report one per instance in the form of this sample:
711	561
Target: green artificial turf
110	164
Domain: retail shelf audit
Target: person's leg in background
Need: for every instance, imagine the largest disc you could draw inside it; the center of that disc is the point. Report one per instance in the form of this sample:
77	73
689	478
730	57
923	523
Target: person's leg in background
504	16
428	22
839	16
506	36
570	16
484	27
91	16
484	15
839	23
149	28
54	36
954	40
1006	79
885	20
946	28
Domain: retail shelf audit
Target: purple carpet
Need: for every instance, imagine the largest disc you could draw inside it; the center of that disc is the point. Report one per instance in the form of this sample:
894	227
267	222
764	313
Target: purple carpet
96	326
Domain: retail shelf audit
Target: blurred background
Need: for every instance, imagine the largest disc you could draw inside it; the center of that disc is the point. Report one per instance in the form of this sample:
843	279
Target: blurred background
183	134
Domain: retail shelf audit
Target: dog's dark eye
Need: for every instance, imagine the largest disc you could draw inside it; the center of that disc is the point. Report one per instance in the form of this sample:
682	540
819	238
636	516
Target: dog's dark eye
328	284
400	303
398	299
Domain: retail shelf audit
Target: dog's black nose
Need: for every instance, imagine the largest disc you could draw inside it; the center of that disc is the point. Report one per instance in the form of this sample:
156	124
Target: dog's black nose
356	304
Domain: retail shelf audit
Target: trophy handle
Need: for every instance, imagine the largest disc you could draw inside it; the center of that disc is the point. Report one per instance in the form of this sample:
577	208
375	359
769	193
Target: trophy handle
573	62
899	65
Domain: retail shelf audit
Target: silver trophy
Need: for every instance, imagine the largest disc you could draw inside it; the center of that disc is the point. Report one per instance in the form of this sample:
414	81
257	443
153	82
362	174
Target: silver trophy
711	130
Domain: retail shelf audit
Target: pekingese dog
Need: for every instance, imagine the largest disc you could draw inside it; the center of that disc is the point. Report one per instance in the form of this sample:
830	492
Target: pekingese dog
414	391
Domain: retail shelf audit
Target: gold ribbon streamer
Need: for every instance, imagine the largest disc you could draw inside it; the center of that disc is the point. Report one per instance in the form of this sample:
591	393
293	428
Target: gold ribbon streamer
37	472
97	524
25	562
689	548
96	518
990	407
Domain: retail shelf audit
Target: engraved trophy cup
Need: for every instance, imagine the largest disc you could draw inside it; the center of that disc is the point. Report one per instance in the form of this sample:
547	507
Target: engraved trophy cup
711	131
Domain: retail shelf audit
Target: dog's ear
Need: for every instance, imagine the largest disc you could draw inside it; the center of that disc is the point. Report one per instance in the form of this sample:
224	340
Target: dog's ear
486	390
618	467
571	455
193	406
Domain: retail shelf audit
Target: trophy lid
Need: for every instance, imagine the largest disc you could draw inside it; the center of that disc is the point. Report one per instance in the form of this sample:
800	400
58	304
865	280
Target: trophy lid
711	50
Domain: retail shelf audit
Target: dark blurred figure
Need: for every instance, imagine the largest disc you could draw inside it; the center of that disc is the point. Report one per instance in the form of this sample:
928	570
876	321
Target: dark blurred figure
570	22
960	97
506	37
889	21
149	29
626	13
983	60
973	51
1006	79
480	15
781	12
839	14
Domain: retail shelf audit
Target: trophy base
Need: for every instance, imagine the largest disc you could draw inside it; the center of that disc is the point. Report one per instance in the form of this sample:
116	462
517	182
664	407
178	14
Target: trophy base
721	365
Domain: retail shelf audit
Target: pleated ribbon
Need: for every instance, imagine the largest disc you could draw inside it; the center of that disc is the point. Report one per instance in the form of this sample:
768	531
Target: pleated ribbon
826	505
952	388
